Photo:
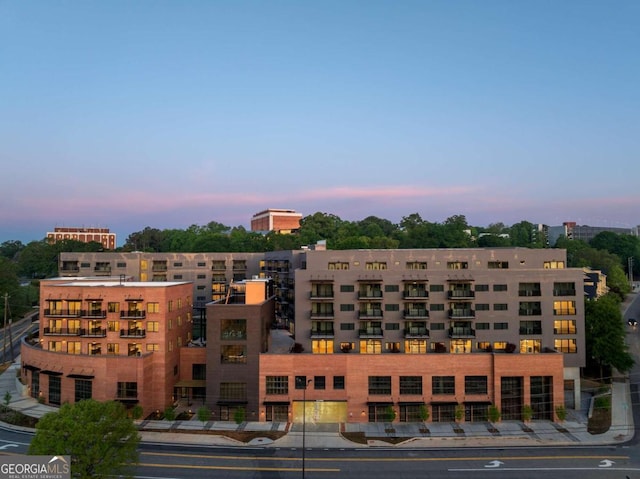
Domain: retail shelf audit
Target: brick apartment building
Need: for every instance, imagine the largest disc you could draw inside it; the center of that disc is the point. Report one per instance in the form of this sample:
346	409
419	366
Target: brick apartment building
451	331
109	340
279	220
84	235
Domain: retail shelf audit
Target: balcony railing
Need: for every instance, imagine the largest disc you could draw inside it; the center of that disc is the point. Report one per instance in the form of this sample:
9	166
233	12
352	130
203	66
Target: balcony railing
321	296
137	314
133	333
415	294
370	332
62	331
416	332
73	313
95	313
321	315
369	313
461	294
564	292
564	312
462	332
529	292
94	332
370	294
525	330
416	313
461	313
322	333
531	312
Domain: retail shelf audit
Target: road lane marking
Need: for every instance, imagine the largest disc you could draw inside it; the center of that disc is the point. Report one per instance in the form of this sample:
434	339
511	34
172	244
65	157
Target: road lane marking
237	468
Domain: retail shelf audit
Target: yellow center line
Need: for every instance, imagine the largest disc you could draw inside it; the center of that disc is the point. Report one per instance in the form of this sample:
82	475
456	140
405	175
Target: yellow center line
236	468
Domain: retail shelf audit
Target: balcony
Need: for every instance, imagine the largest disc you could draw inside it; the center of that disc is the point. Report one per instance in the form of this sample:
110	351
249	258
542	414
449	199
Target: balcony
322	333
159	268
370	294
62	331
327	296
133	333
65	313
529	292
461	294
415	294
370	314
94	333
564	292
531	312
529	330
137	314
462	314
102	271
416	332
321	315
94	313
416	313
371	332
458	332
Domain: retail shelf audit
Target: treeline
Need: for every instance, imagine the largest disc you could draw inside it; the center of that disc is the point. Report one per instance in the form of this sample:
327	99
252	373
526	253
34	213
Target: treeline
22	265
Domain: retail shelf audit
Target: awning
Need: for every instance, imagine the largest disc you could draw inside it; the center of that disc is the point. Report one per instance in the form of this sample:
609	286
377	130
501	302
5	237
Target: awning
51	373
411	403
380	403
231	403
276	403
79	376
30	367
194	383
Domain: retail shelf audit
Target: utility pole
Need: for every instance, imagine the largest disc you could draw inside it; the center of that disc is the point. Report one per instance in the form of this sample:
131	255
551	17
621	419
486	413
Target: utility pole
630	268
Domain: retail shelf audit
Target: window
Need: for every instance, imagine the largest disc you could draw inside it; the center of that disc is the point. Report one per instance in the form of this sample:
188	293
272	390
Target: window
73	347
301	382
322	346
415	346
338	265
95	348
347	327
530	308
565	345
457	265
345	347
153	326
113	307
500	325
498	265
392	307
443	385
475	385
170	305
233	354
177	265
127	390
379	385
392	347
436	288
370	346
113	348
153	307
481	288
482	307
201	276
347	288
567	326
391	288
530	327
553	265
564	289
436	307
55	388
83	389
392	326
177	276
500	287
529	289
482	326
437	326
564	308
198	371
347	307
338	382
121	265
201	264
319	382
150	347
375	265
233	329
234	391
278	384
55	346
530	346
410	384
416	265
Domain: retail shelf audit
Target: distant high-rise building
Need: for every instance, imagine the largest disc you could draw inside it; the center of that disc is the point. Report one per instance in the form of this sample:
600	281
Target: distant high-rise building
84	235
273	219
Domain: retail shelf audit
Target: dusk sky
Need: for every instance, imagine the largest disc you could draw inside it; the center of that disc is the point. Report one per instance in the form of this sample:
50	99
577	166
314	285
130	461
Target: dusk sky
127	114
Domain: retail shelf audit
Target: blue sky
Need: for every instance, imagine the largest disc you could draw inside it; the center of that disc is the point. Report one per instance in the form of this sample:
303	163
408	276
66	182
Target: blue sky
126	114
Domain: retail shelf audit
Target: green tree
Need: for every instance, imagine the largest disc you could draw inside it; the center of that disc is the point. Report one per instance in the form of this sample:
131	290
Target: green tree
605	336
204	414
101	440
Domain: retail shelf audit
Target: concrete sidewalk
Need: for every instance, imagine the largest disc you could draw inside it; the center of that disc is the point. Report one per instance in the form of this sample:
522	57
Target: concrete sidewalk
409	435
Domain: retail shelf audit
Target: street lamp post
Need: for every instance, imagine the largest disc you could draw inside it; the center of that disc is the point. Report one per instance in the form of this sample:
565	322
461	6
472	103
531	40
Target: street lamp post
304	419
